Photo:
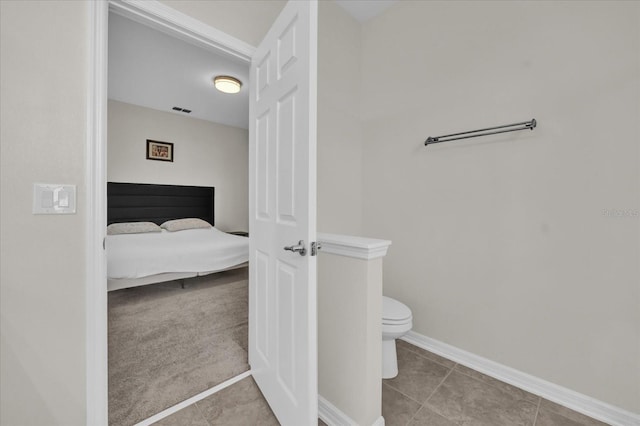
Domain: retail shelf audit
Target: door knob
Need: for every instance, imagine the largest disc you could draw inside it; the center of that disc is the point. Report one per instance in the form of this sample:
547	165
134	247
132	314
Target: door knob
300	249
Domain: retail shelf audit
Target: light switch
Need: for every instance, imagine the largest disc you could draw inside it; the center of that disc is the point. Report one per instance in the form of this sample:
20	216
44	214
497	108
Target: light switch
63	198
54	198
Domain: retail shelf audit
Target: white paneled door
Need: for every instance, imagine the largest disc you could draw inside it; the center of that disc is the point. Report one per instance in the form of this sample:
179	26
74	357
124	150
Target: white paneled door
282	150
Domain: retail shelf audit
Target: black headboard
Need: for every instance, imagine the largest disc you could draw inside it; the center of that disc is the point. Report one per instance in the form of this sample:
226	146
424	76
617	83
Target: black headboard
142	202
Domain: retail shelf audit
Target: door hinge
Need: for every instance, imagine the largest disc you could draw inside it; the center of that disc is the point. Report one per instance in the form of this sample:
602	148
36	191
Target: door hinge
315	246
104	243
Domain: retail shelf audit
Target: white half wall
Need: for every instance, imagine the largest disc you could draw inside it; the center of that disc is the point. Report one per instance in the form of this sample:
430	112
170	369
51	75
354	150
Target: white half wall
522	248
205	154
350	335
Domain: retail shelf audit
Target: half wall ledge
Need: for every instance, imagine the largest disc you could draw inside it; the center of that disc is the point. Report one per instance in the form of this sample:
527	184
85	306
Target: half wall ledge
352	246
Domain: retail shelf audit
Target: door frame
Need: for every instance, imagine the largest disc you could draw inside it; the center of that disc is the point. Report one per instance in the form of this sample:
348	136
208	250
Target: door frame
161	17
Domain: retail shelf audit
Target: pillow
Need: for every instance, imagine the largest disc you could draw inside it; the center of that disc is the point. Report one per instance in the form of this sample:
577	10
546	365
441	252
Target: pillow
132	228
182	224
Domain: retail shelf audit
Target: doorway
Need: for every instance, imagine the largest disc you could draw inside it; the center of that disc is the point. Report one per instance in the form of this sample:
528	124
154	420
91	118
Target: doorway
170	22
304	67
169	340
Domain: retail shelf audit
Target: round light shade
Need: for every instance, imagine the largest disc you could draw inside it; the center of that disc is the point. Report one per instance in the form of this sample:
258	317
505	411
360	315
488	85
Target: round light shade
227	84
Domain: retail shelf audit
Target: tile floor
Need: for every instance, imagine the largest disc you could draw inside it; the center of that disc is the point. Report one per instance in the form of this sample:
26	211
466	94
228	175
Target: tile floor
428	391
434	391
241	404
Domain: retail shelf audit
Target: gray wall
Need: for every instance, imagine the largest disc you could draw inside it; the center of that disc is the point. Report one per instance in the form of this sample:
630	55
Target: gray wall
346	361
502	245
339	127
42	109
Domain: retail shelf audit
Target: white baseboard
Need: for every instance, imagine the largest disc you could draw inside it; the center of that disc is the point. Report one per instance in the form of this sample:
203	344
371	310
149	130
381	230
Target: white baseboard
566	397
333	416
379	422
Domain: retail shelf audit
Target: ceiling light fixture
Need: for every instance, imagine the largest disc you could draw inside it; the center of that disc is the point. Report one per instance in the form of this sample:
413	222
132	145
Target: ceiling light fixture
227	84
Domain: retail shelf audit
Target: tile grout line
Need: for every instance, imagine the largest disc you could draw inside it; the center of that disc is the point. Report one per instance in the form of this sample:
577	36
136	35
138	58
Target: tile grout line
427	358
489	383
433	393
201	414
535	418
400	392
440	384
423	405
414	415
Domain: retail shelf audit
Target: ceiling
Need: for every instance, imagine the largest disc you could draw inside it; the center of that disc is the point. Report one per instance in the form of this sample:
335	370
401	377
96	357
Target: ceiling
155	70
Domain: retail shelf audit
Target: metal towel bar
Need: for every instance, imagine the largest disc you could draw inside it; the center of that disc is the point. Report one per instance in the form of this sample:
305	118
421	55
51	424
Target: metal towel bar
530	125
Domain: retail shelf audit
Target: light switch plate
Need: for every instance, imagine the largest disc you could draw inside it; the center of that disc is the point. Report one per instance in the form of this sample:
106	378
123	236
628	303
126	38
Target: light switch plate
51	198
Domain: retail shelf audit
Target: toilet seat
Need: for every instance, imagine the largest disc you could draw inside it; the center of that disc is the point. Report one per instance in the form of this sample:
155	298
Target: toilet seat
394	312
397	322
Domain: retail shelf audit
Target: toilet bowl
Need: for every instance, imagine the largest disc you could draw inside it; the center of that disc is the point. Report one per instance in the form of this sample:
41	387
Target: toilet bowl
396	322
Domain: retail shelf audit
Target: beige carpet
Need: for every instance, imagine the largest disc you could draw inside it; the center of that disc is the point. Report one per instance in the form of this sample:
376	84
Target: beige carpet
167	344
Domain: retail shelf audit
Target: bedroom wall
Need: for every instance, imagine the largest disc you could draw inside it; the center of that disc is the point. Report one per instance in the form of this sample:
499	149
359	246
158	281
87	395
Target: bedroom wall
43	62
205	154
522	248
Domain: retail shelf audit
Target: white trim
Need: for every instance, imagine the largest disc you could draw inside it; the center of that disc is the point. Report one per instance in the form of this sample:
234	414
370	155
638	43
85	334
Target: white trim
187	402
333	416
379	422
566	397
166	19
350	246
96	221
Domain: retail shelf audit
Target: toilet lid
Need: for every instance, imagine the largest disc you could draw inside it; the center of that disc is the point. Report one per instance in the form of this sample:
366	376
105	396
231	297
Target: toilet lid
394	310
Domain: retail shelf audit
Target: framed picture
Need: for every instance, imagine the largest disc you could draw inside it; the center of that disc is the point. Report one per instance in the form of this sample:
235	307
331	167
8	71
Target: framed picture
161	151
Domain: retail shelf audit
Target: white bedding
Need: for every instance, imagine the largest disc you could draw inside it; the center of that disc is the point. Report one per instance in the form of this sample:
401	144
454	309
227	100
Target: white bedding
193	250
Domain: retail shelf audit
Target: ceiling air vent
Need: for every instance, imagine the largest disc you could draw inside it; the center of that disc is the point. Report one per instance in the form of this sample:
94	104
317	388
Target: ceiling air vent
186	111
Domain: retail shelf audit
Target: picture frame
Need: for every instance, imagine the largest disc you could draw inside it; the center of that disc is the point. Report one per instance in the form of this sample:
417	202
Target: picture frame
159	151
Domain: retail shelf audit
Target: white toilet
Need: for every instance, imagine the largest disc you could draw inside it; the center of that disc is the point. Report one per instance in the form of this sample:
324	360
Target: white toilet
396	322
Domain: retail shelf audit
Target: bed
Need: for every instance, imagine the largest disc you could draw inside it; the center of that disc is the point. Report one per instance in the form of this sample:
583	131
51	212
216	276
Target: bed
145	258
